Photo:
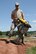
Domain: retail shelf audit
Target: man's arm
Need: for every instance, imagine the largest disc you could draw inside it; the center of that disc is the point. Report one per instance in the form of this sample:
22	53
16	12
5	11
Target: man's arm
12	15
22	15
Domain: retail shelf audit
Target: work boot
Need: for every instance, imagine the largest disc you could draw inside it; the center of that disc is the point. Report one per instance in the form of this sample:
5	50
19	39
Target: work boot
25	34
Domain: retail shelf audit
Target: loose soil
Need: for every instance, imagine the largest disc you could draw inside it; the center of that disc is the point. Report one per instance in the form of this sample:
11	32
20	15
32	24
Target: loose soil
11	48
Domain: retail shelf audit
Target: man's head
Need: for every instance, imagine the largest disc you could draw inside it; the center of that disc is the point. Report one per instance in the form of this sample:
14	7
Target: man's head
17	5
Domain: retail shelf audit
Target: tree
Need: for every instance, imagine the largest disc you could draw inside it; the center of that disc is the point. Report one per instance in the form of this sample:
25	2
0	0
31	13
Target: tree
0	33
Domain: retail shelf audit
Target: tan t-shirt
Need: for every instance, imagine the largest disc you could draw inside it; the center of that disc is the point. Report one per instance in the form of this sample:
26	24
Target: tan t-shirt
17	14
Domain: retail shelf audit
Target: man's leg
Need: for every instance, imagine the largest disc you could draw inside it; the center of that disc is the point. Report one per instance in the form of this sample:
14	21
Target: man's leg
22	38
11	29
11	32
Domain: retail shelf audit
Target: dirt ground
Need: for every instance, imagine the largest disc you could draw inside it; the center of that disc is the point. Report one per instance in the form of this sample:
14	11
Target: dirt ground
11	48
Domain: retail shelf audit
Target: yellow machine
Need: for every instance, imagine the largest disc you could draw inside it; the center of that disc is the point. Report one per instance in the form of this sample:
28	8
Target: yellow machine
25	22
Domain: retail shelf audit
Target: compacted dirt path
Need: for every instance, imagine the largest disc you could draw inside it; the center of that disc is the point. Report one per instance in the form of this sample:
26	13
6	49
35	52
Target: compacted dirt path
11	48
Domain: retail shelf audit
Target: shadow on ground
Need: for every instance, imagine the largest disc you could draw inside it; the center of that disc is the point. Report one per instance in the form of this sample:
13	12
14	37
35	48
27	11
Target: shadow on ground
14	42
11	41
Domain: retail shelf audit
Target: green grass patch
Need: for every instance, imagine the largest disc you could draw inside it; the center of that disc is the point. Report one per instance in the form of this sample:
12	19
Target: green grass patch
4	36
31	50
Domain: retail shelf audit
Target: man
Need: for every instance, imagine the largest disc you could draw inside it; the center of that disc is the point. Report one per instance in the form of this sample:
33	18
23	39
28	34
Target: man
16	13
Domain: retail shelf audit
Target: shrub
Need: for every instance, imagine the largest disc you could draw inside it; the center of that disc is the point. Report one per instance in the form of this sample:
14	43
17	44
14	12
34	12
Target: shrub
0	33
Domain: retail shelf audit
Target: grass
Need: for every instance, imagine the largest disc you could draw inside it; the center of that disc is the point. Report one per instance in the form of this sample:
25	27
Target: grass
4	36
31	50
26	38
30	39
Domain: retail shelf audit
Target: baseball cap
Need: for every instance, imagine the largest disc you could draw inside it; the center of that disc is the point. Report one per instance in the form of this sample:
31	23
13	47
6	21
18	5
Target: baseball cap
17	3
